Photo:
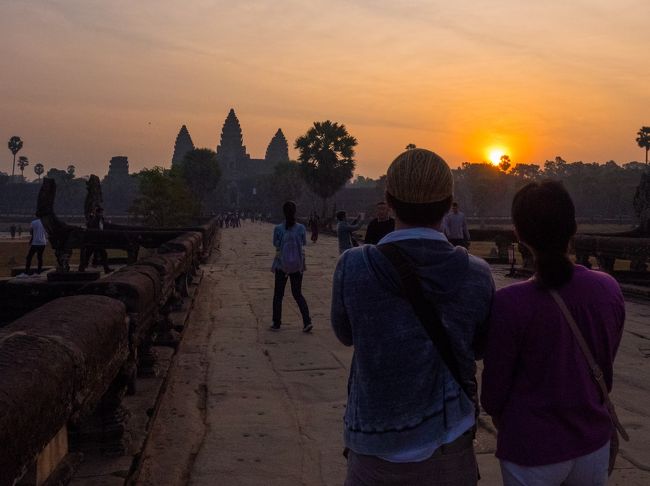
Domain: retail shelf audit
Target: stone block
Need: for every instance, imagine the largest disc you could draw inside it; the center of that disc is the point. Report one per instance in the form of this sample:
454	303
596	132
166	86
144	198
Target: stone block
137	287
20	296
87	276
55	364
15	271
90	329
190	243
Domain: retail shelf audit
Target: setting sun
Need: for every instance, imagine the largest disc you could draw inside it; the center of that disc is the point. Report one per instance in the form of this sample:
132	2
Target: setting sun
495	153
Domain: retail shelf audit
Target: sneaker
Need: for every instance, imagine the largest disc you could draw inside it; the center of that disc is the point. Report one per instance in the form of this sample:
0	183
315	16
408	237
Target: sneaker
308	328
274	328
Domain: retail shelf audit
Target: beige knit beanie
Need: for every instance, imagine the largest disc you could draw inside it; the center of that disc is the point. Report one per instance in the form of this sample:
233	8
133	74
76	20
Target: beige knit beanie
419	176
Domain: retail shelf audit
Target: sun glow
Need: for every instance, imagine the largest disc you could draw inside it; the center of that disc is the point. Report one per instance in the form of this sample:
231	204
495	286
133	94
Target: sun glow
494	154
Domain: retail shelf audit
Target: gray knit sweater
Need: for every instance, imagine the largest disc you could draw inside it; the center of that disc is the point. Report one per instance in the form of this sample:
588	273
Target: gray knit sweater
400	393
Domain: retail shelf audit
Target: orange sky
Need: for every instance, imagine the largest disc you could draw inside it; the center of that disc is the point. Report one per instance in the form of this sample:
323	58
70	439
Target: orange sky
83	80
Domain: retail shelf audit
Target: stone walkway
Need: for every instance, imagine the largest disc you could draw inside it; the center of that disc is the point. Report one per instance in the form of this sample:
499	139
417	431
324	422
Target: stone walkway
245	406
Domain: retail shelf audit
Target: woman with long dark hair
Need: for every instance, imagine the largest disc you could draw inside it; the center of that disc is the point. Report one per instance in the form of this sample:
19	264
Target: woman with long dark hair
289	239
554	426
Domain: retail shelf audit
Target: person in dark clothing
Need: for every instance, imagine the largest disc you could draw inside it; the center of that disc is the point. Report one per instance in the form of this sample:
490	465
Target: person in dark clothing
96	221
313	226
380	226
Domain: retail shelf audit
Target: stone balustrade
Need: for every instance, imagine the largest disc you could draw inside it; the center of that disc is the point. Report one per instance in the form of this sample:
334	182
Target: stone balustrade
69	352
607	249
56	363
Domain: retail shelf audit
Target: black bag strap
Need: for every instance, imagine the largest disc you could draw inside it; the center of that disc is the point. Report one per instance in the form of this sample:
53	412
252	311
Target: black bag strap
428	314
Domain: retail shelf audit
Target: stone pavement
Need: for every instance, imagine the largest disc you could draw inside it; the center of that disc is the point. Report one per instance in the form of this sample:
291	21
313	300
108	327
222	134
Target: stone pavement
245	406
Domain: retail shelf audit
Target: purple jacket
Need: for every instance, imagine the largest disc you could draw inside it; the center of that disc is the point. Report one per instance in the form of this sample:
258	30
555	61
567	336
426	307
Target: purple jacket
536	381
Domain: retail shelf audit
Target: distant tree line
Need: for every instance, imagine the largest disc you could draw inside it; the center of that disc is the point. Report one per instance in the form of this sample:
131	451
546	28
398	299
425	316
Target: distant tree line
600	191
326	164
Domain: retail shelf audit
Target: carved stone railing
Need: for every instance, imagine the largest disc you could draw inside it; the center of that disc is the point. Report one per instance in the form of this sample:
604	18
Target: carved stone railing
69	352
607	249
56	365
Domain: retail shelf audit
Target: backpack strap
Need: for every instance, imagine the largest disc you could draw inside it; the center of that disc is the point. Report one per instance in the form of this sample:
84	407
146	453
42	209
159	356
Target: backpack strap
596	372
428	315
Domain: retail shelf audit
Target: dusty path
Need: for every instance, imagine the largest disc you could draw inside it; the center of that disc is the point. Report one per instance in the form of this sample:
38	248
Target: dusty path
245	406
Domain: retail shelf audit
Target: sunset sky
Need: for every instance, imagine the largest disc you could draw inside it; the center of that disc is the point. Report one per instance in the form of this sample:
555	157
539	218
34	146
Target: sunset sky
84	80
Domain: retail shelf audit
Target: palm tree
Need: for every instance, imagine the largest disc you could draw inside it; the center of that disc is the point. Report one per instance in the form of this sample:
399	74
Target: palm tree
15	144
22	163
38	170
643	140
326	158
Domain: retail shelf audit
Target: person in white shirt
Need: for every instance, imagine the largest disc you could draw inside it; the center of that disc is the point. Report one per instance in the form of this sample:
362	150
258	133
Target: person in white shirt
37	243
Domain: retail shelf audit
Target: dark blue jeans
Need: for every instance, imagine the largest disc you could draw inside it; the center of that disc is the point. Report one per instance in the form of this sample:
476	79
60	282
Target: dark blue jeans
38	251
296	291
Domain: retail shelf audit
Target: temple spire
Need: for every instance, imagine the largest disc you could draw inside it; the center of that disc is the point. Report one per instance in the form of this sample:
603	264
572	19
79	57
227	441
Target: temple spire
231	149
182	146
278	149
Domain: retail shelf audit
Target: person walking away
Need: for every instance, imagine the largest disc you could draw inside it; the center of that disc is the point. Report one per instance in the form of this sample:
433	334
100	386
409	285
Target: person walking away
380	226
455	227
411	413
37	243
289	239
313	226
344	230
552	419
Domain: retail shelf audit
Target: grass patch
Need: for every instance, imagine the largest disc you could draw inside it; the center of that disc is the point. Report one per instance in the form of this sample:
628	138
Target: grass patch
13	253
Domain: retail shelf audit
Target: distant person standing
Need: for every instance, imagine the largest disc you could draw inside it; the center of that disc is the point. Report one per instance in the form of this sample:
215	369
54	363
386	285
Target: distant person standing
20	231
455	227
344	231
380	226
37	243
313	226
289	239
96	222
12	231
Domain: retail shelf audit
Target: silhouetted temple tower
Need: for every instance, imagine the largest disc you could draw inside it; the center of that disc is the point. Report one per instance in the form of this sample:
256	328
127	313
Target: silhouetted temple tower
231	150
182	146
278	149
118	167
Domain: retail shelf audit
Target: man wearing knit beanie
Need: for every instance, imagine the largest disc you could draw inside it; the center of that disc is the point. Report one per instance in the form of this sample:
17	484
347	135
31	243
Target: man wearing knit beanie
411	414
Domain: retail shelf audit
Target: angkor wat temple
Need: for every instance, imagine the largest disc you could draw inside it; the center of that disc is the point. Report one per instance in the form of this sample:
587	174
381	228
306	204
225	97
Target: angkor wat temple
240	173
